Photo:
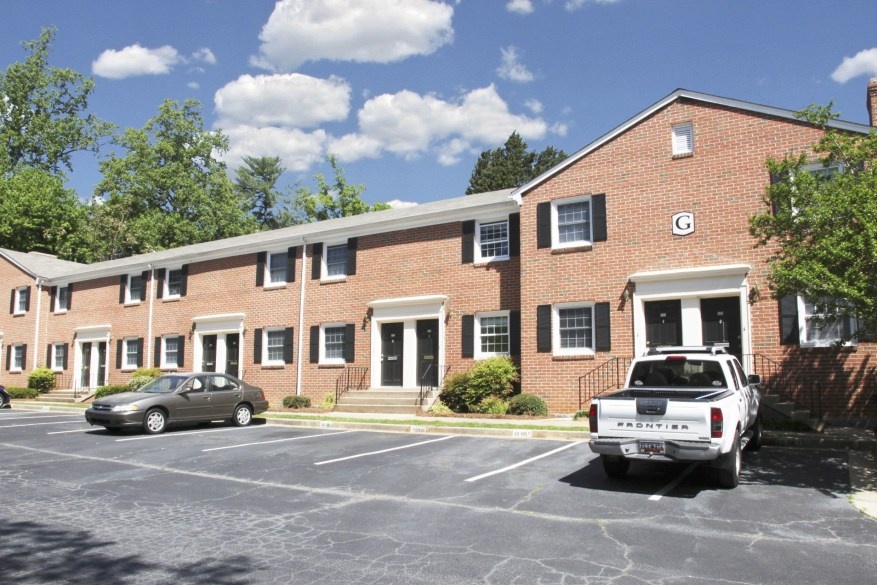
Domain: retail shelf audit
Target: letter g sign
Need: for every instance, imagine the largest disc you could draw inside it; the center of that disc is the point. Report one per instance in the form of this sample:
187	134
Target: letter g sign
683	223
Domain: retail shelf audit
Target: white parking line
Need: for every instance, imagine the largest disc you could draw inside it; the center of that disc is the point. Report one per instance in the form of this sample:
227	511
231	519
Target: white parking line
76	431
79	416
274	441
383	451
657	497
530	460
167	435
60	422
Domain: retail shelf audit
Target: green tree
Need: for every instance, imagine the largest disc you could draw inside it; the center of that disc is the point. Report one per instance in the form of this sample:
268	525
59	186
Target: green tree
511	165
42	113
821	224
168	189
338	199
256	183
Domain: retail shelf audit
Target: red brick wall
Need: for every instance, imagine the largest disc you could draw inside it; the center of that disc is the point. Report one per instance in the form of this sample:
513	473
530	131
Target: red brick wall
16	329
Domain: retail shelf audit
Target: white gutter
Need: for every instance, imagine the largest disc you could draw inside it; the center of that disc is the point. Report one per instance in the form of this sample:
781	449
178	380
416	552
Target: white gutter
149	342
301	315
36	333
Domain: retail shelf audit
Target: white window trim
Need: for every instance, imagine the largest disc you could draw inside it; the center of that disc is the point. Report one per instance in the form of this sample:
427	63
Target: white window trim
802	329
12	365
166	290
324	262
266	359
126	367
479	257
325	361
56	308
268	281
128	299
555	330
682	139
56	367
481	355
163	363
555	228
19	292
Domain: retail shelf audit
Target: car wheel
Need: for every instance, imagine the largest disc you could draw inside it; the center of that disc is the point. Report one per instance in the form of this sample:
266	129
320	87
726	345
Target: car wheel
2	401
755	441
615	467
154	422
730	464
242	416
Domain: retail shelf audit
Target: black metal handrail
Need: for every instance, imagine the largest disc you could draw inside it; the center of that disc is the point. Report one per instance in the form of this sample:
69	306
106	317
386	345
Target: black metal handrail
427	387
350	379
607	376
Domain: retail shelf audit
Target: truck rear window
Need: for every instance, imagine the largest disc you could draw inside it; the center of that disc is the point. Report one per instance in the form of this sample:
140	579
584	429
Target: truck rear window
676	373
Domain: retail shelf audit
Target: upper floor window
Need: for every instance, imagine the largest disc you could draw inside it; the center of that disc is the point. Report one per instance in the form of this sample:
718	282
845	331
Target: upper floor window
492	241
133	288
277	263
20	303
493	333
62	299
174	282
683	139
336	261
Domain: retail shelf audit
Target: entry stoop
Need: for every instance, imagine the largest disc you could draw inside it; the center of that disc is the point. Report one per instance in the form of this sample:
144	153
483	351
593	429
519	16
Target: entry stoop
65	396
402	401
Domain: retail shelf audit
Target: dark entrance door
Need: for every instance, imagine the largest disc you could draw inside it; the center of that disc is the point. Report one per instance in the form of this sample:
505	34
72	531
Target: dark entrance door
102	363
208	362
391	354
721	323
427	352
663	323
232	346
85	374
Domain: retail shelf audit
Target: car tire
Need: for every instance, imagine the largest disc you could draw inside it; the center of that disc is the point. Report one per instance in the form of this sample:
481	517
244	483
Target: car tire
154	422
730	464
243	415
757	437
3	401
615	467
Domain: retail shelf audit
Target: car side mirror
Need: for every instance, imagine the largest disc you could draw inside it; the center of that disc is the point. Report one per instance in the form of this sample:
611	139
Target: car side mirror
754	379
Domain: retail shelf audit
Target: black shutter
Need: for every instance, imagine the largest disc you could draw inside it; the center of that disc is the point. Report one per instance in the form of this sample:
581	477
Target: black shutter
23	356
139	352
315	344
257	346
27	299
8	357
66	351
261	257
349	343
468	325
316	266
789	321
69	296
53	295
156	356
352	245
287	345
118	354
12	303
49	356
123	283
603	331
598	217
291	254
543	328
144	276
181	351
515	234
468	242
159	277
543	225
515	333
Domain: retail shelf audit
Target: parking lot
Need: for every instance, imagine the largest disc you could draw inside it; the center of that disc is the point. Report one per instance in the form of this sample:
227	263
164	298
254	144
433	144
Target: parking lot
282	504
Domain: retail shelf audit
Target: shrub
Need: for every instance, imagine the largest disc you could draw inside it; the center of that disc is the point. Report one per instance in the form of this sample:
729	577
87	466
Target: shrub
110	389
453	394
438	407
147	372
492	377
41	380
493	405
138	382
328	401
296	402
22	392
528	404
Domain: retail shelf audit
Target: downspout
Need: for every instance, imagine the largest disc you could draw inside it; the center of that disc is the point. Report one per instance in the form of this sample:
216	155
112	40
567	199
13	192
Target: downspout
36	332
149	342
301	314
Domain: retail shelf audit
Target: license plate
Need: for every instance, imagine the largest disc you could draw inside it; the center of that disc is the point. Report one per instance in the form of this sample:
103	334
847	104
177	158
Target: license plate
651	447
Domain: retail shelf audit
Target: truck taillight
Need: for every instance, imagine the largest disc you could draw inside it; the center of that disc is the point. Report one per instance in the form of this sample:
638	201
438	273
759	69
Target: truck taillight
592	418
716	423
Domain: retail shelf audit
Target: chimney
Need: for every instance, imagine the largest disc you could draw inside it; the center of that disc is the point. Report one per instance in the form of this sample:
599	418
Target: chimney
872	102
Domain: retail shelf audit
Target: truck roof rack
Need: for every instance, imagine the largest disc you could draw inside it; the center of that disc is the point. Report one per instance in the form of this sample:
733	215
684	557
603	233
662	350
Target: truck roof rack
682	349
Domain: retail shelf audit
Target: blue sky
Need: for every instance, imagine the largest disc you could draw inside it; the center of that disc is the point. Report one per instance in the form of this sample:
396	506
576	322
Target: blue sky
407	93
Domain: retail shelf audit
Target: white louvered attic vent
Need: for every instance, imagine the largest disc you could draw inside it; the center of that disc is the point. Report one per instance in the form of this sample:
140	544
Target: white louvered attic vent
683	139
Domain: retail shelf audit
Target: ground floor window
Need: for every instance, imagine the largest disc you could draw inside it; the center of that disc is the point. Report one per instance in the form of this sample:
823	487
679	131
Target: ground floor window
575	329
493	334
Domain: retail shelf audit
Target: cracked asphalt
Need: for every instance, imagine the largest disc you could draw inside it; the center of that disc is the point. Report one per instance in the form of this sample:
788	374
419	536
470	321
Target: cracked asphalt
275	504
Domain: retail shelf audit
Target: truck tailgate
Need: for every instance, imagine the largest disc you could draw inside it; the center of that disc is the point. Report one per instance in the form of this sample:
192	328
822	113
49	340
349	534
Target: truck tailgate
679	419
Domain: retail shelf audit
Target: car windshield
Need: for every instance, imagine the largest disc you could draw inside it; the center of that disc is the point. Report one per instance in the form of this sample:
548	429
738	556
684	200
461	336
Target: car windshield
675	373
163	384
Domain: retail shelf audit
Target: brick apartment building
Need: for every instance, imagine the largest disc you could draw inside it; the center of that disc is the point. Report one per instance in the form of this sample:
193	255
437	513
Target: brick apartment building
639	239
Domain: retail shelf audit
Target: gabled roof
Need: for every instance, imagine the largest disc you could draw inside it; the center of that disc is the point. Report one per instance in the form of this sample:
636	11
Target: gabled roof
677	95
39	265
479	206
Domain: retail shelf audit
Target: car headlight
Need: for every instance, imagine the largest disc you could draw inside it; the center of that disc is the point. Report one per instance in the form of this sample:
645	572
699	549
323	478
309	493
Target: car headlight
125	408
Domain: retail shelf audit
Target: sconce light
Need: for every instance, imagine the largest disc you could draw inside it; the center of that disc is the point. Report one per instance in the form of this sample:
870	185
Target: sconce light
628	291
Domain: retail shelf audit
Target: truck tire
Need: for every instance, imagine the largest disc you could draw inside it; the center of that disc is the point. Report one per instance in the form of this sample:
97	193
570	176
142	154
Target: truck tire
615	467
755	441
729	465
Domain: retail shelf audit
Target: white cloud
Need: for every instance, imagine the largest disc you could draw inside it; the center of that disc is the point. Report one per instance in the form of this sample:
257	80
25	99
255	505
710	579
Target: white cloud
534	105
291	100
352	147
204	54
863	63
193	85
135	60
572	5
511	67
520	6
298	150
369	31
397	204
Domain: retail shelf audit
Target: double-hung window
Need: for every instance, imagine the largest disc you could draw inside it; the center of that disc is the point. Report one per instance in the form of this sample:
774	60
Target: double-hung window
493	241
132	354
136	288
572	222
274	339
333	343
18	353
817	328
574	329
171	358
336	261
493	334
62	300
174	283
21	300
277	263
59	356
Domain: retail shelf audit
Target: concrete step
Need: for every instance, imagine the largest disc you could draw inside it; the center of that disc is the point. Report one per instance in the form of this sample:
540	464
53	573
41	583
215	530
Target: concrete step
377	408
401	401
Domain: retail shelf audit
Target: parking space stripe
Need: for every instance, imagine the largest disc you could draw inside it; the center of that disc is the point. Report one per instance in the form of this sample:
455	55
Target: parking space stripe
383	451
79	416
167	435
657	497
274	441
76	431
59	422
530	460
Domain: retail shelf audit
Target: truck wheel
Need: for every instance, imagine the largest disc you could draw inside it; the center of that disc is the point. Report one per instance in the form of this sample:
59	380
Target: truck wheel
728	473
755	441
615	467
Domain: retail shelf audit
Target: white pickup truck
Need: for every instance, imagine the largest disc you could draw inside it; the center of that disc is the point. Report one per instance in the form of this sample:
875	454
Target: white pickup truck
679	404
